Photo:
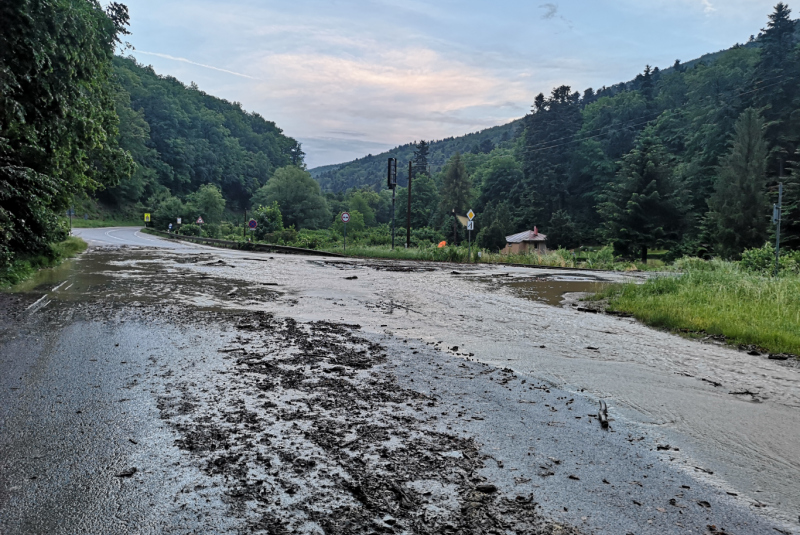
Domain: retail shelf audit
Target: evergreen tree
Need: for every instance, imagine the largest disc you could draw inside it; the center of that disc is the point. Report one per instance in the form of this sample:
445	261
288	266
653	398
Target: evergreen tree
739	208
420	161
641	209
561	231
456	187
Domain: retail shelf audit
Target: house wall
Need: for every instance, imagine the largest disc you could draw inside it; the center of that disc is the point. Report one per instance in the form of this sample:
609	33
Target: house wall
524	247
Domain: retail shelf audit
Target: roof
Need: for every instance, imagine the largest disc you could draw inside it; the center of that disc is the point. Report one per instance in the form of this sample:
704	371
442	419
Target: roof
528	235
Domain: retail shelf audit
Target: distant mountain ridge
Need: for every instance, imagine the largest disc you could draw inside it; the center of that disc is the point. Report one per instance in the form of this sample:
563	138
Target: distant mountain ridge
370	171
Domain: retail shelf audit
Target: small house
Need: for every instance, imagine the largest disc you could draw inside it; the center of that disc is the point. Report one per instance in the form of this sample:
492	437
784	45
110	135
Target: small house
526	242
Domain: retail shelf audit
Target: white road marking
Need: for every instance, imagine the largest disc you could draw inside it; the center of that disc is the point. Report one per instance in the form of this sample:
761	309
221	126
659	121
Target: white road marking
59	286
42	298
113	237
142	237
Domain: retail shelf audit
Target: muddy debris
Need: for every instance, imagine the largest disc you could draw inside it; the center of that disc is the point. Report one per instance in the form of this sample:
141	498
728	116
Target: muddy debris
325	440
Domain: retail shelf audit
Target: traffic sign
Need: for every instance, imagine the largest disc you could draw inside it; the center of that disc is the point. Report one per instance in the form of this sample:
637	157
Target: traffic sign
253	224
179	220
199	220
470	214
471	225
147	217
345	217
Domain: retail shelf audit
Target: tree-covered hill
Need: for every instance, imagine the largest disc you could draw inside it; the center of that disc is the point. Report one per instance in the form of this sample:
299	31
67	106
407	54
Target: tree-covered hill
181	138
370	171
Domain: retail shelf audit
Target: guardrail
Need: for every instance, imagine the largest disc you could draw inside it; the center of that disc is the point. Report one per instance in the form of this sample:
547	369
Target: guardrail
244	246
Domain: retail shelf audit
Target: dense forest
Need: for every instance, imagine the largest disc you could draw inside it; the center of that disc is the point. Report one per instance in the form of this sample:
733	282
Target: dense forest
685	158
370	170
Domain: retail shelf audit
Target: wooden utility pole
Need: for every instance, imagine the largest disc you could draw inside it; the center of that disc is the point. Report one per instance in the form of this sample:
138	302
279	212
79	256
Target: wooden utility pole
408	215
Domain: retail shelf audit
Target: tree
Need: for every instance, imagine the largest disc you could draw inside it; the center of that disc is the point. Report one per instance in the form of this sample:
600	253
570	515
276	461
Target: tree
642	209
359	203
269	219
354	226
562	232
420	160
58	125
208	203
497	179
298	196
739	208
168	211
456	189
496	224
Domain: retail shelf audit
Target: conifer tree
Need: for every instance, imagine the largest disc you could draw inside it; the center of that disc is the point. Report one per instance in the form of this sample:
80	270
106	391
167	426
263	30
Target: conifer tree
420	160
642	209
456	187
739	208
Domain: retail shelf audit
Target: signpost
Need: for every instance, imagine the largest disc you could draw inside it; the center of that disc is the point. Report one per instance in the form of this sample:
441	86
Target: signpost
470	227
391	180
146	218
179	220
252	224
345	219
199	221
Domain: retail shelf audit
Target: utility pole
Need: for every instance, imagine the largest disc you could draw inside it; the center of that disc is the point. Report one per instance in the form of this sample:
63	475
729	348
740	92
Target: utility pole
391	180
408	215
454	226
776	219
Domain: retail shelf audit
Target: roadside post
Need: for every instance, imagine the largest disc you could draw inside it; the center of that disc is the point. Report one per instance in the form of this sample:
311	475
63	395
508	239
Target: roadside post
70	213
170	228
776	220
146	219
470	226
199	223
345	219
408	214
391	180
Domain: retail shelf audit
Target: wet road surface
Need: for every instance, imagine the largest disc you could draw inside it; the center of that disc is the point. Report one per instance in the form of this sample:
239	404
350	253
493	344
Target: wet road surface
151	297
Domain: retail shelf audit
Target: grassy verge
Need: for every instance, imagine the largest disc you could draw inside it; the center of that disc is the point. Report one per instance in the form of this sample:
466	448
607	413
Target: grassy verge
718	298
98	223
23	267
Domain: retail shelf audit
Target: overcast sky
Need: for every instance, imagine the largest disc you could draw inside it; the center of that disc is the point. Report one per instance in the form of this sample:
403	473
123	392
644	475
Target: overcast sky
348	78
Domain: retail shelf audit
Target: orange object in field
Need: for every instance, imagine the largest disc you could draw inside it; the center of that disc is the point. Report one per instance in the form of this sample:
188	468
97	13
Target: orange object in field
442	244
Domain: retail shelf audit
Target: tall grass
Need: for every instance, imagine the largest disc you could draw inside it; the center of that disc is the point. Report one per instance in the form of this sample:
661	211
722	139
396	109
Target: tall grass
718	298
23	267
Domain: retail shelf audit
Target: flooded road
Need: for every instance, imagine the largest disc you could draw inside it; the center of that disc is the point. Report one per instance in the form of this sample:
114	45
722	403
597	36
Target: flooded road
730	419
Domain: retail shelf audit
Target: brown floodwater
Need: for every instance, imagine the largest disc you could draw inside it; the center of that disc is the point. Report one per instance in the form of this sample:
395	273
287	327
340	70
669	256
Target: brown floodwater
551	290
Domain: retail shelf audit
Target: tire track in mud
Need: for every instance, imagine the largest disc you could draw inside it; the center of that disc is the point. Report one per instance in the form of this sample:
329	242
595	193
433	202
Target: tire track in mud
311	438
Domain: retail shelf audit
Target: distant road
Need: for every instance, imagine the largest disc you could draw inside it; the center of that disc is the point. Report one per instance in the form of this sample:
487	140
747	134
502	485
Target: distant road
125	236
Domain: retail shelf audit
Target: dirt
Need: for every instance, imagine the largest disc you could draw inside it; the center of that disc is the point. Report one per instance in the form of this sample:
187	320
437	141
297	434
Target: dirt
329	441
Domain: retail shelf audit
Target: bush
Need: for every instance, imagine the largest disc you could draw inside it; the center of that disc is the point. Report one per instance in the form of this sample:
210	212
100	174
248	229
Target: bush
189	230
269	219
421	237
762	260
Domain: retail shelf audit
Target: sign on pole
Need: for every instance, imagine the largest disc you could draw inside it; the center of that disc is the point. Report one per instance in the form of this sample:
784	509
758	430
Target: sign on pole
252	224
471	225
345	219
147	218
179	220
470	214
199	220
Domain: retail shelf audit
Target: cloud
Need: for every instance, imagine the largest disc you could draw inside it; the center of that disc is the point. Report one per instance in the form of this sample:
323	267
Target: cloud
550	10
708	7
184	60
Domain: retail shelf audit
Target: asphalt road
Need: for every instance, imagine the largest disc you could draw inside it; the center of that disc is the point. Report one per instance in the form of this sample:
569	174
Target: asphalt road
130	356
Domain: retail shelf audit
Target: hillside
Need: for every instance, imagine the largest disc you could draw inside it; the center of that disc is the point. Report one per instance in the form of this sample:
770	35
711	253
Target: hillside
181	138
370	171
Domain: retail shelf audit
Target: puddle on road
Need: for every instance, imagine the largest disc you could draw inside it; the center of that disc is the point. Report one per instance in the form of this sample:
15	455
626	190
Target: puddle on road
551	290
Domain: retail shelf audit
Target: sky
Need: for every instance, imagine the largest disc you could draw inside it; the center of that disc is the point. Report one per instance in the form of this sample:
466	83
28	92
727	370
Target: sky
351	78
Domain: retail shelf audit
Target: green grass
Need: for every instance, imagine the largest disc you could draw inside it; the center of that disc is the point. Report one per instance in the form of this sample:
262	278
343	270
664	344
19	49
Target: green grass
718	298
98	223
24	267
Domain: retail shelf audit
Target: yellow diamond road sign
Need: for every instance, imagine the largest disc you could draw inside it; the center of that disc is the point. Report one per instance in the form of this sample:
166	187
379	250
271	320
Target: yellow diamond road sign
470	214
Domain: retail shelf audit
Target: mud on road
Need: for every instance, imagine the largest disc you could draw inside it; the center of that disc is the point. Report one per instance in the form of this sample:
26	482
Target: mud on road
275	425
